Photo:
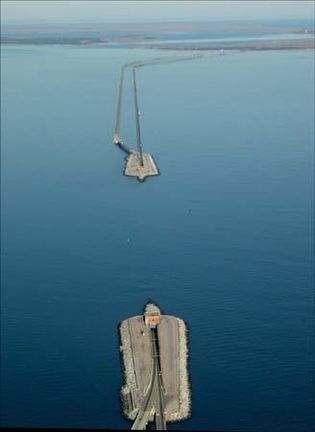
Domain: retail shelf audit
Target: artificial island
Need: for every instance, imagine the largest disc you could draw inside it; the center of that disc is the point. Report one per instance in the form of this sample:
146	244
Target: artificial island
155	359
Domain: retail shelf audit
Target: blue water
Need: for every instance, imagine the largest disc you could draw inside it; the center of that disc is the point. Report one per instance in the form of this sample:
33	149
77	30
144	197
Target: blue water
222	239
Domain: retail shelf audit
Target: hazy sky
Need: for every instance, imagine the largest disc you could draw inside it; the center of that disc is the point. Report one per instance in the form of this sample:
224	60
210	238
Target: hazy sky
89	10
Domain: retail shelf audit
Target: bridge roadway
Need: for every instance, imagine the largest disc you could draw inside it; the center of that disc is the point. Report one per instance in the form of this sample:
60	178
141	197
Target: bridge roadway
135	64
139	143
117	139
154	398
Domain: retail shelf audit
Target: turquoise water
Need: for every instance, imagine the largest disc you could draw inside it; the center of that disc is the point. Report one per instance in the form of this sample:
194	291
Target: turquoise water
223	238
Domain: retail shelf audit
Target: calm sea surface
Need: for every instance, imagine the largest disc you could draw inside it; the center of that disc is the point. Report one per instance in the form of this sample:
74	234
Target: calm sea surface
221	239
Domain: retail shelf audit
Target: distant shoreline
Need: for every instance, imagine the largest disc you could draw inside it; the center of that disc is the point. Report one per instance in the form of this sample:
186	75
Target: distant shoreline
178	36
252	45
247	45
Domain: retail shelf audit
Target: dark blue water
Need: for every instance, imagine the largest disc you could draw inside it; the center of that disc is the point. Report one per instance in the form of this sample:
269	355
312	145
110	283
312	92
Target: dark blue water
223	238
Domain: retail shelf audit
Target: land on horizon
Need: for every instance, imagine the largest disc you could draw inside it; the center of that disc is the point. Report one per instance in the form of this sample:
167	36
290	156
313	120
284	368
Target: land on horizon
286	34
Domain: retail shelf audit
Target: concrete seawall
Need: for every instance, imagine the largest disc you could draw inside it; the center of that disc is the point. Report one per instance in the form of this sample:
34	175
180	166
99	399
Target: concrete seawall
184	393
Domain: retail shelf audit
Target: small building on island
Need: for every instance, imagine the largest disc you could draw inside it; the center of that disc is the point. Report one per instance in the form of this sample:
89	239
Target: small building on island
152	315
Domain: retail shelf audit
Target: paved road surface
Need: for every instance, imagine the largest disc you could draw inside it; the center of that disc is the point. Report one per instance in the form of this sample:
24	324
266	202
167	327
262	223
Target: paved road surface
154	397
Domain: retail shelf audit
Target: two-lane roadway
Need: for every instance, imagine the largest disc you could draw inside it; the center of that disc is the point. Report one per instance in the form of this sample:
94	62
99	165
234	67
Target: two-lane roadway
154	397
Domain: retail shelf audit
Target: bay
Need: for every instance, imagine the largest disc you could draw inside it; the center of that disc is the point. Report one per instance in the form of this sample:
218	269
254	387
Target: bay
222	239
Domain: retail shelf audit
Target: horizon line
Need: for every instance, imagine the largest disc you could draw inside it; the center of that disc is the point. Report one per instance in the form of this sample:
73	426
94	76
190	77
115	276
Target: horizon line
152	20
